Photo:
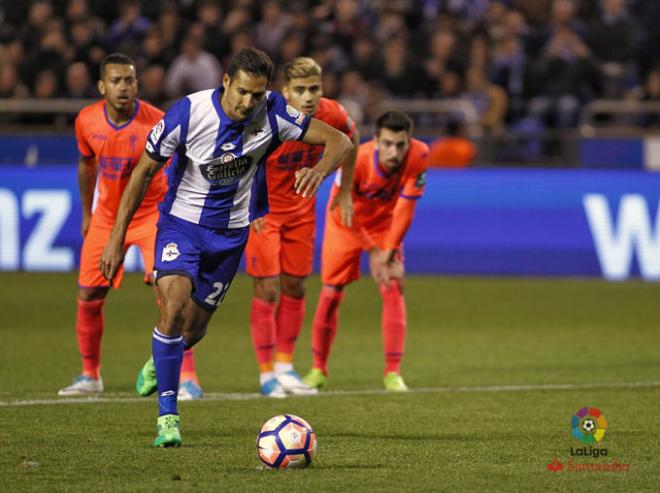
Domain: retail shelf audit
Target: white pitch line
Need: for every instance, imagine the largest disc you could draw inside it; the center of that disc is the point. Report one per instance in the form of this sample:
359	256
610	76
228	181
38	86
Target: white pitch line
123	397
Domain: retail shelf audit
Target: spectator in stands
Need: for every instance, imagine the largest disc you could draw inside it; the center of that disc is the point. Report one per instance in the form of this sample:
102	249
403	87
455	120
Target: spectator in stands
10	84
508	68
401	75
193	70
131	27
292	46
613	38
152	85
489	99
153	50
562	75
40	14
209	16
441	56
366	59
79	82
270	31
171	27
453	149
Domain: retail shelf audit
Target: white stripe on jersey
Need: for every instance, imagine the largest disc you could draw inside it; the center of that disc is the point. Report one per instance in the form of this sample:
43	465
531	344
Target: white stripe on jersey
202	130
255	146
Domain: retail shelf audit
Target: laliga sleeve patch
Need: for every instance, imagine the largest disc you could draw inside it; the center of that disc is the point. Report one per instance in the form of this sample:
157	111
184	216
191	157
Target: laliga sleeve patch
170	252
157	131
294	113
421	180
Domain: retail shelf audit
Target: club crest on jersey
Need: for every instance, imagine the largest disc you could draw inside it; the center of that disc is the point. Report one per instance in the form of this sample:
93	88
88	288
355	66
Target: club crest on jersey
421	180
157	131
226	169
170	252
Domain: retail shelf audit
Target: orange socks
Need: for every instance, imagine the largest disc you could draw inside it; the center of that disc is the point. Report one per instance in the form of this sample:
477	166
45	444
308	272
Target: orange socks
262	328
89	330
324	327
393	326
288	321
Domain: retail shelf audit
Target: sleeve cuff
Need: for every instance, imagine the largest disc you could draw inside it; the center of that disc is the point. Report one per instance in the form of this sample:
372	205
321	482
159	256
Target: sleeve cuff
156	157
306	124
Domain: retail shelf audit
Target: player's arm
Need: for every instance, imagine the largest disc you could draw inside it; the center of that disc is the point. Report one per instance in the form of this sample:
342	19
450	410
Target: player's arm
113	254
87	174
336	149
344	198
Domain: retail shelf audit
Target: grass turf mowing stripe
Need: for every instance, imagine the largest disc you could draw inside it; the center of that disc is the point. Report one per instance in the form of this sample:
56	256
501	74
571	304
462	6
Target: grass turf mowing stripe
218	396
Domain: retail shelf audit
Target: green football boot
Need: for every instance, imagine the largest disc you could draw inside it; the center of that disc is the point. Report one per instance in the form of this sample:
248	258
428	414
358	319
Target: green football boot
394	383
168	431
146	383
315	379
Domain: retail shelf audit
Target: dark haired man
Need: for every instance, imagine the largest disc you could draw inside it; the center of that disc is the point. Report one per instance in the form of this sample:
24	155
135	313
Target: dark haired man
110	135
219	141
390	176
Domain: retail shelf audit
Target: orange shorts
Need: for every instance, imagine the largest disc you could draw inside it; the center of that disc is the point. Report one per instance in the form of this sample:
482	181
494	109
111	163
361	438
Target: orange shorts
342	249
286	245
141	233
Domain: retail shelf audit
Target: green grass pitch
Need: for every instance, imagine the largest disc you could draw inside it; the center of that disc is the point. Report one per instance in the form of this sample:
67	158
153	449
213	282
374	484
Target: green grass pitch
498	367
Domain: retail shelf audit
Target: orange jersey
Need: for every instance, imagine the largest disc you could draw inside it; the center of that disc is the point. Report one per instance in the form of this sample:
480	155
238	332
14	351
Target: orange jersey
375	191
292	156
117	150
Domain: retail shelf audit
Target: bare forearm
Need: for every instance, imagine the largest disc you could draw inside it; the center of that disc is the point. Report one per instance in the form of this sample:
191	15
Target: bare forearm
348	166
336	150
86	184
134	193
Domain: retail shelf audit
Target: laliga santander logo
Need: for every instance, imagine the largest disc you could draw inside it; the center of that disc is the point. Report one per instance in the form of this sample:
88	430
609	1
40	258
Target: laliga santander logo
588	425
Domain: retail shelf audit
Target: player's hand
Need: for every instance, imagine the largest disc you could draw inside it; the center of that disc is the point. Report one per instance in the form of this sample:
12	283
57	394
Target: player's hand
84	225
308	181
378	267
344	201
112	258
396	270
258	225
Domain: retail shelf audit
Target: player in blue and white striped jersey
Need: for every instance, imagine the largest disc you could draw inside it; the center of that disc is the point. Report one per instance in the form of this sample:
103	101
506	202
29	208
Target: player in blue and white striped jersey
218	141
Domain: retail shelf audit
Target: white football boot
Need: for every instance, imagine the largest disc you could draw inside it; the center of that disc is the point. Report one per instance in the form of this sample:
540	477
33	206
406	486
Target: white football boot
82	385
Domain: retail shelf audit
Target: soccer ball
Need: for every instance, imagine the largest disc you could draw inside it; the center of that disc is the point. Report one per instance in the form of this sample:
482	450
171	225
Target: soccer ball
286	441
588	425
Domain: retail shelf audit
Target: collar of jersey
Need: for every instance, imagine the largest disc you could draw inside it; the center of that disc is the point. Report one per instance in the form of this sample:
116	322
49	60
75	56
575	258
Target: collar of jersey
224	117
119	127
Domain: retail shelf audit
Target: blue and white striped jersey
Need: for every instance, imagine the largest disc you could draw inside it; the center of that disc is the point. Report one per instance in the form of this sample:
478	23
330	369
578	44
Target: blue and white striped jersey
217	176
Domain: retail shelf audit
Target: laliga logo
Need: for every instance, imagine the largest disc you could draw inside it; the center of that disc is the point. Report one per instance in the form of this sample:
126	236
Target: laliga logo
589	425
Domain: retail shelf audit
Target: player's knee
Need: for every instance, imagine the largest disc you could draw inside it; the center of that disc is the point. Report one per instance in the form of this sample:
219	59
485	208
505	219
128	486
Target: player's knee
294	287
91	294
267	289
171	315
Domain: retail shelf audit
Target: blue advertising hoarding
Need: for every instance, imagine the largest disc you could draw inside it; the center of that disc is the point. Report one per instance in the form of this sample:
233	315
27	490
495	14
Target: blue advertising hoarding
474	222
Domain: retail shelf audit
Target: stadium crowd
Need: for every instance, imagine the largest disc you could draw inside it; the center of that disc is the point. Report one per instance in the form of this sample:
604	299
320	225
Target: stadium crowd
515	60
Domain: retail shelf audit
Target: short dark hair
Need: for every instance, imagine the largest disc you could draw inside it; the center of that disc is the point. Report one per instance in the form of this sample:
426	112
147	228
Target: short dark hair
253	61
115	59
396	121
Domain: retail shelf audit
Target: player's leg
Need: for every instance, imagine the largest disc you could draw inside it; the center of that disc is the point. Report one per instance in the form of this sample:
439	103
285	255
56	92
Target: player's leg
262	254
89	315
143	234
340	265
394	334
178	255
297	257
167	349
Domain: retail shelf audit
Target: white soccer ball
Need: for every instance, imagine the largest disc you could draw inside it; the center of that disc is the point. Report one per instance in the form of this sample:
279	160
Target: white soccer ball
286	441
588	425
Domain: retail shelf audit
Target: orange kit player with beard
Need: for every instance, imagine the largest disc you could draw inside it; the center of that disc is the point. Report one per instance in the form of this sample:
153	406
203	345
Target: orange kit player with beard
280	248
111	134
390	176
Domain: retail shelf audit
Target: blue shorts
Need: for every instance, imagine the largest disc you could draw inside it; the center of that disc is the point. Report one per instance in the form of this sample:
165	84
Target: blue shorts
208	257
